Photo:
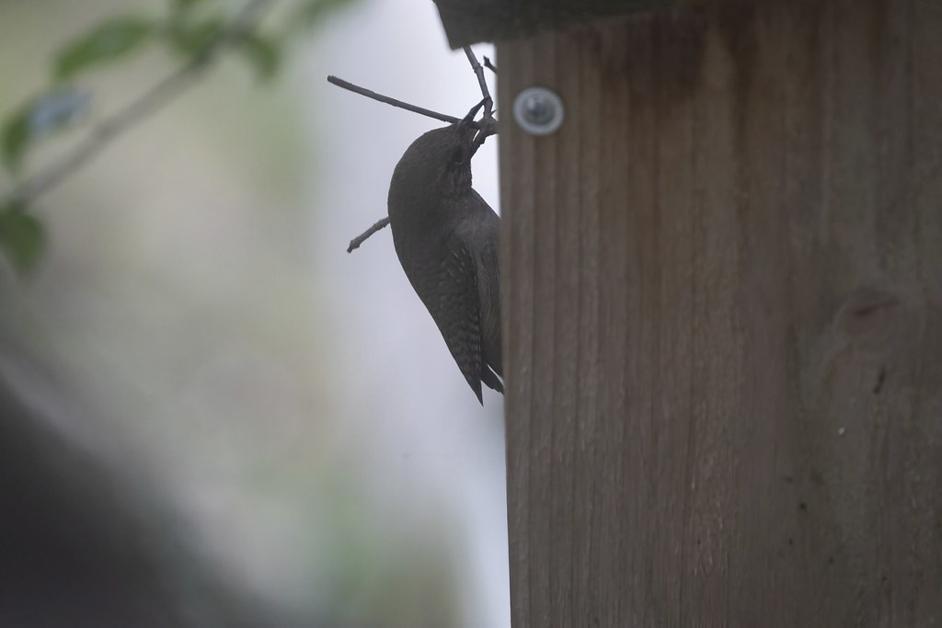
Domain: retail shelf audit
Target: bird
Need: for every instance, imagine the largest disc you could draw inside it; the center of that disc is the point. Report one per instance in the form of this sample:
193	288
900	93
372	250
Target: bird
447	240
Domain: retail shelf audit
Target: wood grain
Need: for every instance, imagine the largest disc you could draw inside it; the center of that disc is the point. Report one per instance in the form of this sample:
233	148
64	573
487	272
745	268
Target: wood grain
724	319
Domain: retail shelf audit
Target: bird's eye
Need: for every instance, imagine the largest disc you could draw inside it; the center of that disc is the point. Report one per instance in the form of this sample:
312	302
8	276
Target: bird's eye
457	156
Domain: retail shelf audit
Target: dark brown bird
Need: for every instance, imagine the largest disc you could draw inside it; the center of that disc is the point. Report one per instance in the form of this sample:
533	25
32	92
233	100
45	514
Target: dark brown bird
446	238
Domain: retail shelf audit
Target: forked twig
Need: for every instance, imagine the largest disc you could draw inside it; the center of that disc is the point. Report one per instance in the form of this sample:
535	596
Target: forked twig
488	124
482	82
490	66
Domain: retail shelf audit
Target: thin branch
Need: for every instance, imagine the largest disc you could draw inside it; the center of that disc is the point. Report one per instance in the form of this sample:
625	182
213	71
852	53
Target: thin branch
339	82
360	239
490	66
149	103
479	72
488	124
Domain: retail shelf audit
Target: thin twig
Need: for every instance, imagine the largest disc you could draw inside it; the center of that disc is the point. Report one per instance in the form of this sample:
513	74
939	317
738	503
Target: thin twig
488	124
360	239
490	66
339	82
479	72
149	103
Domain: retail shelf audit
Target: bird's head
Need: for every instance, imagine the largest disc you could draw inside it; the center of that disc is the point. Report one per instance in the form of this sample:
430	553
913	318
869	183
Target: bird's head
438	163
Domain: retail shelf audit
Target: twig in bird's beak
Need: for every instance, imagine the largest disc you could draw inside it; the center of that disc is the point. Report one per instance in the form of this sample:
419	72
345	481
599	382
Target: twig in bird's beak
339	82
482	82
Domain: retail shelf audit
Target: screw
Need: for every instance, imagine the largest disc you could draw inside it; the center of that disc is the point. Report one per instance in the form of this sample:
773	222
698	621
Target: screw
538	110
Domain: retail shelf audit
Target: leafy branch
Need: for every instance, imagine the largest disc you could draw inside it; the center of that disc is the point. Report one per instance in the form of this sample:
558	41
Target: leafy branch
196	29
101	135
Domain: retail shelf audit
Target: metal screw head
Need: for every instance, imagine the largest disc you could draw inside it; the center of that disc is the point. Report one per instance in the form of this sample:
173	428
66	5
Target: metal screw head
538	110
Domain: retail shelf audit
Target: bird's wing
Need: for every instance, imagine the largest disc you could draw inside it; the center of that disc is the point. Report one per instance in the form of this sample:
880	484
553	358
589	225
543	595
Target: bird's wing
455	307
489	289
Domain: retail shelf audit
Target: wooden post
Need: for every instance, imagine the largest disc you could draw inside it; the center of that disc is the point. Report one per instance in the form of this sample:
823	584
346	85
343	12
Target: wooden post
723	306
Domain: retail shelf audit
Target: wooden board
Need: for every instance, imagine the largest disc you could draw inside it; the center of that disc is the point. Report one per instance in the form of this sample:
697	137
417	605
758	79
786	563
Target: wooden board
471	21
723	329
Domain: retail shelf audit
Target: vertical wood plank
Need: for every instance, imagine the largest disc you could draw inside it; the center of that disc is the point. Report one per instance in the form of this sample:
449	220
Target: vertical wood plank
724	320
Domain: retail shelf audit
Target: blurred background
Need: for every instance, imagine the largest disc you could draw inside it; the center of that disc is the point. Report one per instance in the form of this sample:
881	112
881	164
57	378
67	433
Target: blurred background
212	415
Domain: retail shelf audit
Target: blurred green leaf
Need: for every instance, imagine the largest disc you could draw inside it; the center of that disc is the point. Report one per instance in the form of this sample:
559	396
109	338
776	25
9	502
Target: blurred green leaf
107	42
311	12
191	39
263	53
184	5
22	238
15	139
40	117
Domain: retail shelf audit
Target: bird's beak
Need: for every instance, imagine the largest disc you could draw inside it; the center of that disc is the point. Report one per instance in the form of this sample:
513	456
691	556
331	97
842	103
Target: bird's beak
467	127
469	119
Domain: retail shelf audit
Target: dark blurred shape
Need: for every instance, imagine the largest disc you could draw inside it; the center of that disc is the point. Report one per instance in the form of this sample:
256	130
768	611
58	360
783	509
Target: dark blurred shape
74	552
